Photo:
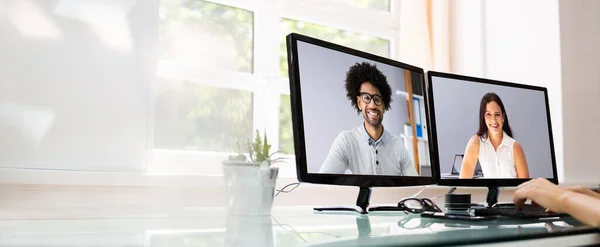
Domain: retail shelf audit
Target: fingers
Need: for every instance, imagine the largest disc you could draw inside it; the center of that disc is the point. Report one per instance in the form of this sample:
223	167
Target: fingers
532	181
525	184
519	202
523	191
520	197
527	190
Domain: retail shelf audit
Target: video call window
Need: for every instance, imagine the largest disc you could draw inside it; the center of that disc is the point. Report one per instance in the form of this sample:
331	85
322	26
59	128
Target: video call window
356	115
491	131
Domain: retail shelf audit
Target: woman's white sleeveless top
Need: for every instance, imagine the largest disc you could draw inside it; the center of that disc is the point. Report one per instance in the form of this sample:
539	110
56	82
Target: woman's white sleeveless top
497	163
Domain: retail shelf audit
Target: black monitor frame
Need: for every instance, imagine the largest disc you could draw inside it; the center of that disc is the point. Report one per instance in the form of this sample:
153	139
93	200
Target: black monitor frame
433	146
363	181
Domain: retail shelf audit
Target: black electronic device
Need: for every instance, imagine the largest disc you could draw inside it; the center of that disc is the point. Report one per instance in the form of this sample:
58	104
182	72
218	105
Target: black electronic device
457	201
325	113
464	110
457	216
527	212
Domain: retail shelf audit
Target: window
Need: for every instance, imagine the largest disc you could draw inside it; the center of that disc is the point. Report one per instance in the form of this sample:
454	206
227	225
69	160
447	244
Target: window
202	34
354	40
383	5
191	116
193	110
221	75
286	136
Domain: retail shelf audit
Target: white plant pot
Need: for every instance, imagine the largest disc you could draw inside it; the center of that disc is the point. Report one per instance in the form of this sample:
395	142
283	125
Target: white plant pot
250	188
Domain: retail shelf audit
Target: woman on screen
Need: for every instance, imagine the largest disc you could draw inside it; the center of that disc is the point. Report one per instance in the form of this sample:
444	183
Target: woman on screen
499	155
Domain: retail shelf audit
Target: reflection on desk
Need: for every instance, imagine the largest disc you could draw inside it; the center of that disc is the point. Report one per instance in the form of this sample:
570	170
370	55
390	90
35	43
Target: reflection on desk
460	232
289	226
301	228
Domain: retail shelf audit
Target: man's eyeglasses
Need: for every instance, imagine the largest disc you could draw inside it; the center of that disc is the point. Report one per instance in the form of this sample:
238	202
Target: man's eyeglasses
366	98
418	205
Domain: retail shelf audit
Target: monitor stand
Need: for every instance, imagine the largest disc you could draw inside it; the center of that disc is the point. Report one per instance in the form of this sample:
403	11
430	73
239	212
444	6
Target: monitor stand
492	200
492	196
362	204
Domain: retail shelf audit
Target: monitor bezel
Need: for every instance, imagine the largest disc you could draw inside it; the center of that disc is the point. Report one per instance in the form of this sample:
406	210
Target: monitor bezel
432	131
298	121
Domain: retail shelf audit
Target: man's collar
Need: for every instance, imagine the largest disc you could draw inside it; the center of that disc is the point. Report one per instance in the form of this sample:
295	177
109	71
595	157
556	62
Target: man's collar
369	139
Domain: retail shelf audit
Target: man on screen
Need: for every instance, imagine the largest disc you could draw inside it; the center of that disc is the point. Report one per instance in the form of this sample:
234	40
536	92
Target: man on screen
368	149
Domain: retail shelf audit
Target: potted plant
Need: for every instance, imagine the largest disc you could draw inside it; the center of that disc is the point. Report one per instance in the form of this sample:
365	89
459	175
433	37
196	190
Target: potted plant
250	178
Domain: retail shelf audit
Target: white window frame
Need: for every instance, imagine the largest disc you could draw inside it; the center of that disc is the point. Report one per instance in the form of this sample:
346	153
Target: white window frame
265	81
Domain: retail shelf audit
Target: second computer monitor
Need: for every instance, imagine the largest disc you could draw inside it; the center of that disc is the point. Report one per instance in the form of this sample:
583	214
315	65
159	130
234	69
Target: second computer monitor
488	132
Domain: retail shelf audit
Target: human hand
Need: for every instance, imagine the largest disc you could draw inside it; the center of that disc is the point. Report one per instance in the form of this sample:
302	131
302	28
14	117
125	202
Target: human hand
584	190
541	192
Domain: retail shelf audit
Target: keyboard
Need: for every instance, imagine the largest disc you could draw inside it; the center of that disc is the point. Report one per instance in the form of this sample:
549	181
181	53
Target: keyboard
527	212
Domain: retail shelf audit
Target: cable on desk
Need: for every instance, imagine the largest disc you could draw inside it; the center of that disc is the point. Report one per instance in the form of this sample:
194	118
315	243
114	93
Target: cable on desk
283	226
293	230
419	192
452	189
285	190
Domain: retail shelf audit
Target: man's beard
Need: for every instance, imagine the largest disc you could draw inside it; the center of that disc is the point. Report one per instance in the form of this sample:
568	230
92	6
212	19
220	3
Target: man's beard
373	122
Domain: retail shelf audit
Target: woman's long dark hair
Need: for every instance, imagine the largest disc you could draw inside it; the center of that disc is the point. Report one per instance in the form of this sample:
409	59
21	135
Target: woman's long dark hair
487	98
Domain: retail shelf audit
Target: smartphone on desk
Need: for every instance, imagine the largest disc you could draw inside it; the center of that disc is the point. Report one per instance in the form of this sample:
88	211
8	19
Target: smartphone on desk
457	216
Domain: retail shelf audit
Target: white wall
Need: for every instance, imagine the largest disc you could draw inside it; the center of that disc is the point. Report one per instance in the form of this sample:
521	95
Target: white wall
512	40
580	39
466	37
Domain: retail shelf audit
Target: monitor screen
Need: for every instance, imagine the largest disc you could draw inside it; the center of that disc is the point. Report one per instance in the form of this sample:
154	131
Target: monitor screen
489	130
351	116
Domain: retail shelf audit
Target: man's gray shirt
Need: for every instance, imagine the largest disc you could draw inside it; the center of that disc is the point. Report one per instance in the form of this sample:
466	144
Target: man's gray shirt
355	151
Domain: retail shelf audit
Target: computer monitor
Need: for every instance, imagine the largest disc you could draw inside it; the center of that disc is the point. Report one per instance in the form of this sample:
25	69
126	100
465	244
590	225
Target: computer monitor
503	126
350	115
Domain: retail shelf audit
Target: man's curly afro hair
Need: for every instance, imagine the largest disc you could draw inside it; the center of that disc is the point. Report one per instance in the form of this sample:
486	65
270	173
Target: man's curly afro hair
365	72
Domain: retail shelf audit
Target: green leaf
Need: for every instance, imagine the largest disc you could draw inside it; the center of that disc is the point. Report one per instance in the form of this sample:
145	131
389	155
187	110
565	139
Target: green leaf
257	143
266	146
258	151
277	160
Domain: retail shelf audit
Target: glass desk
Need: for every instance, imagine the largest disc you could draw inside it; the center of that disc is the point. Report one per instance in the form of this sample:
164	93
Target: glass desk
303	227
288	226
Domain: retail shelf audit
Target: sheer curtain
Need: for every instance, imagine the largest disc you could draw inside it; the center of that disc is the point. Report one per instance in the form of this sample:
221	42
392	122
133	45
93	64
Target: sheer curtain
74	84
168	86
158	87
424	34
